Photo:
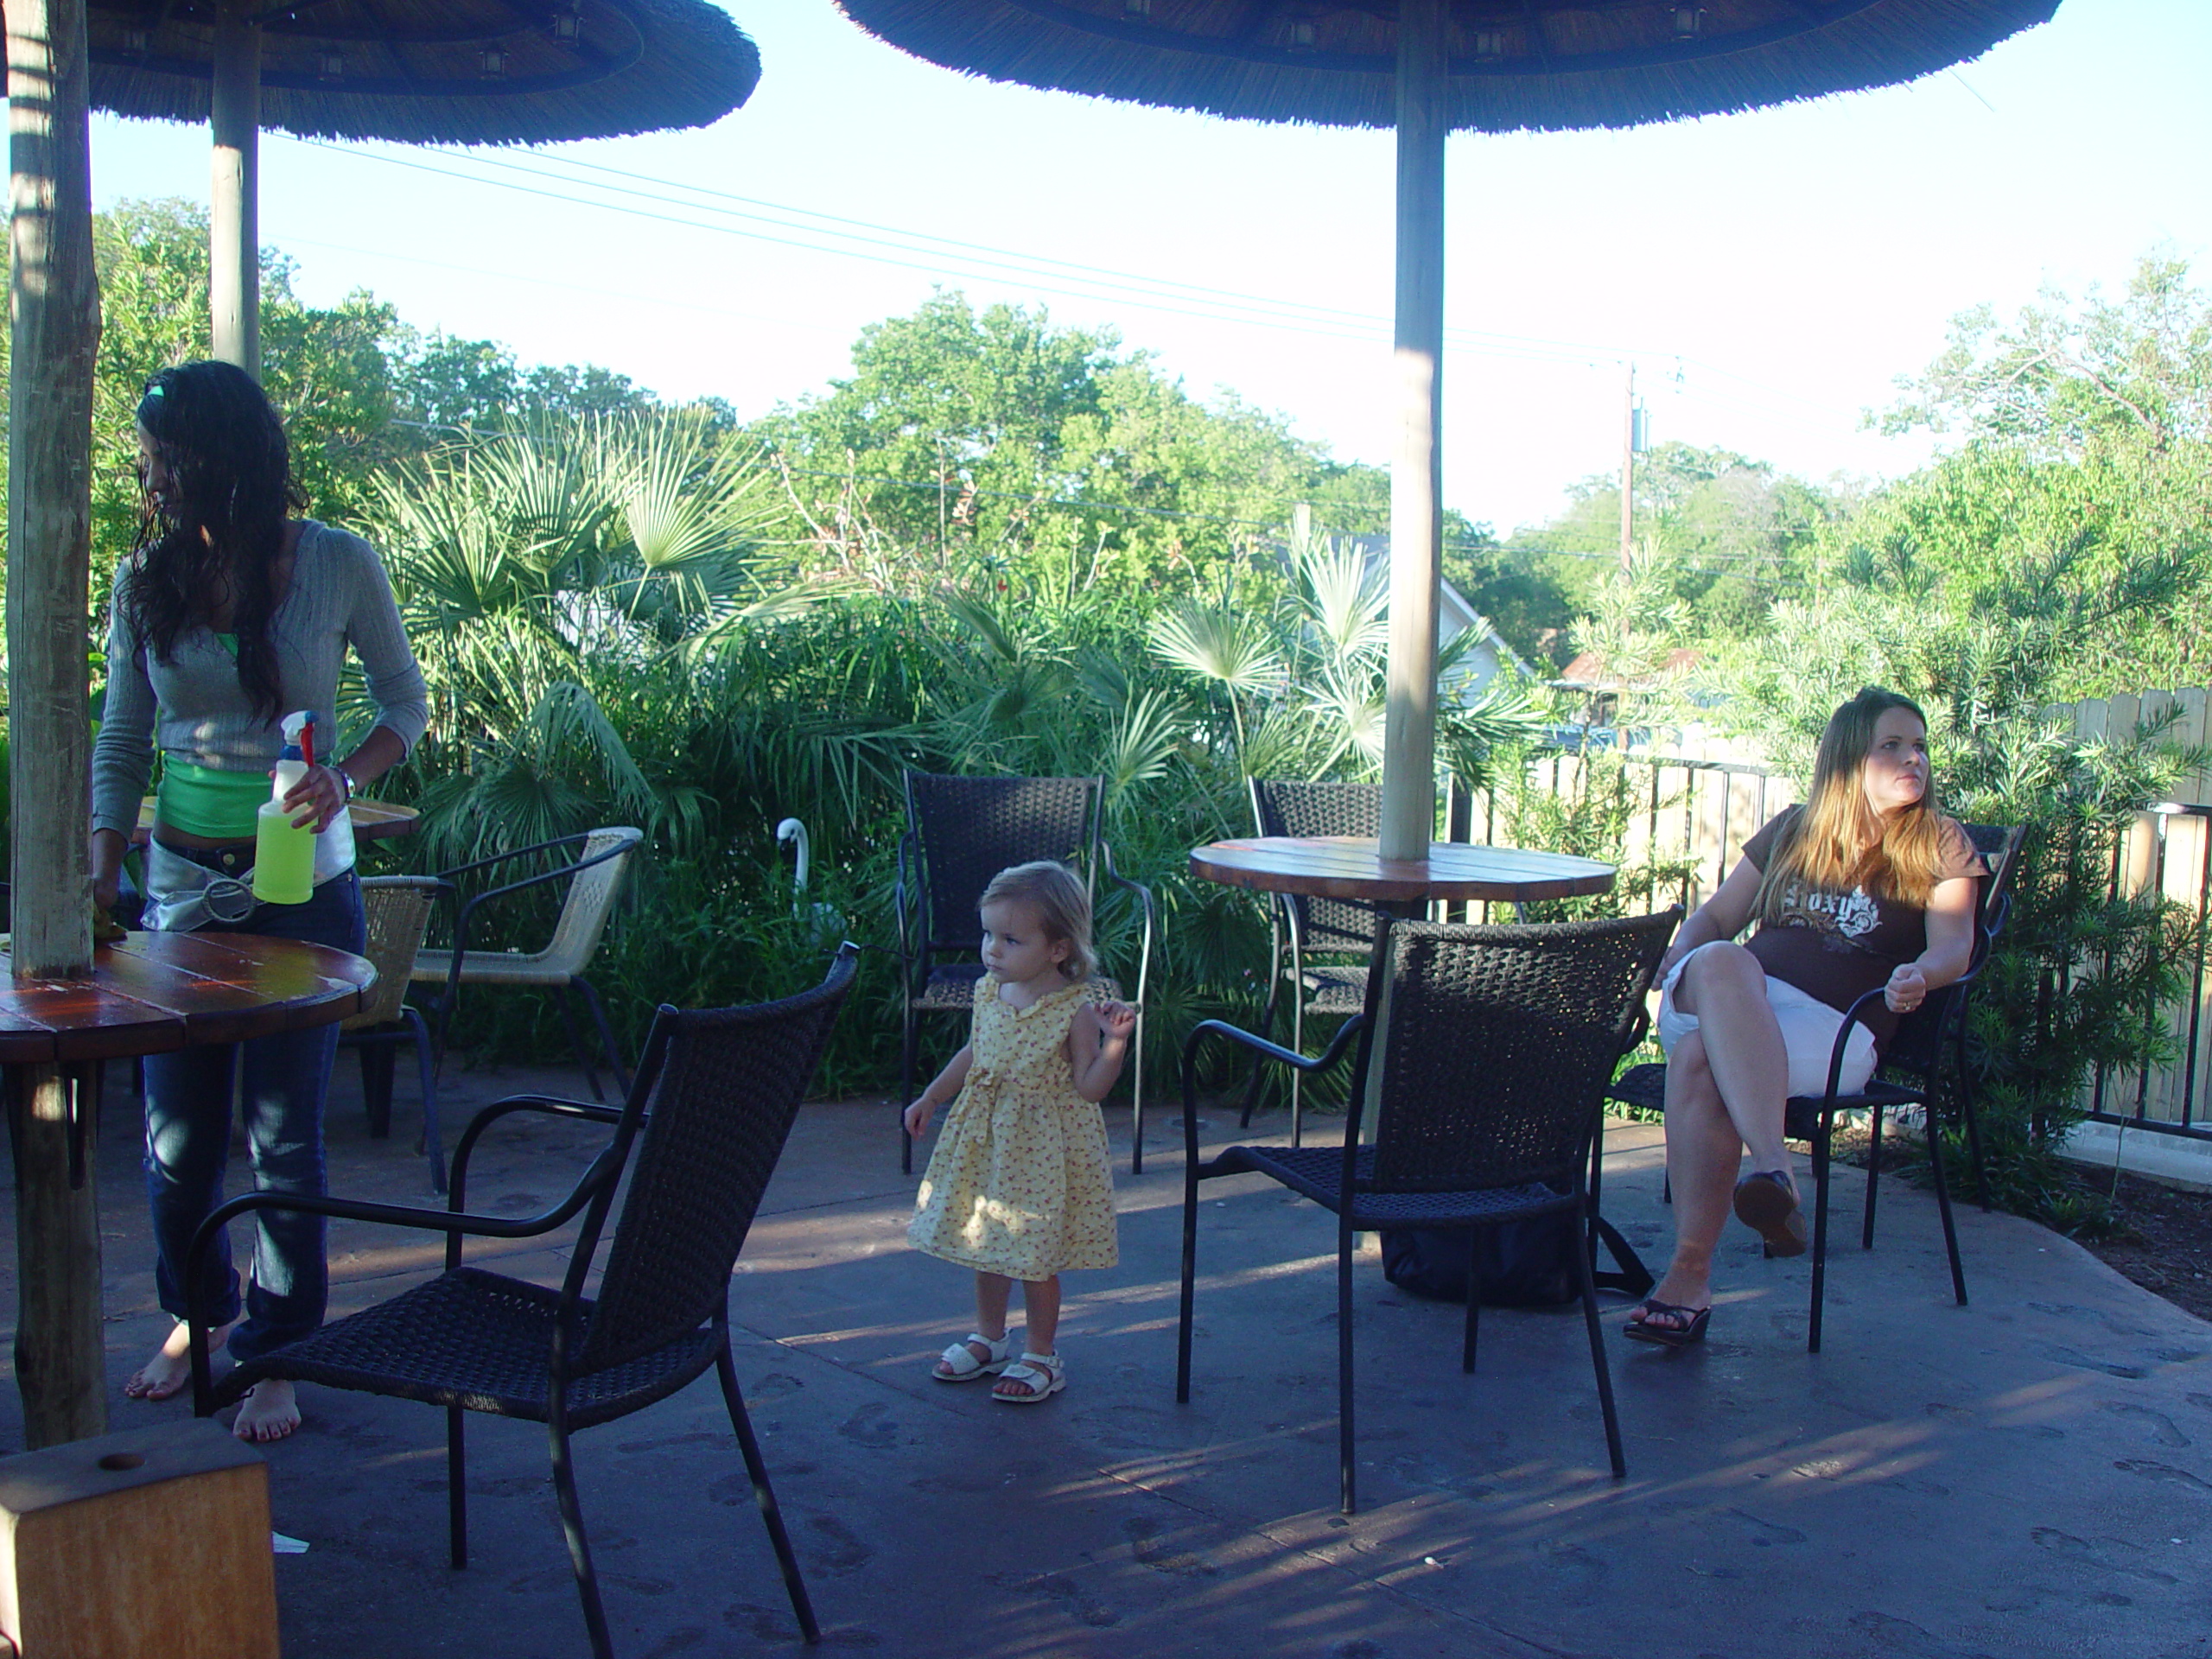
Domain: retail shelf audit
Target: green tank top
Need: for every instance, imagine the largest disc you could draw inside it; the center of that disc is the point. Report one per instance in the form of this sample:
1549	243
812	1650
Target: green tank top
201	801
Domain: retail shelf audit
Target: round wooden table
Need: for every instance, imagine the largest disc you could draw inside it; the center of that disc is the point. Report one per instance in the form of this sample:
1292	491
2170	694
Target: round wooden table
1351	867
148	994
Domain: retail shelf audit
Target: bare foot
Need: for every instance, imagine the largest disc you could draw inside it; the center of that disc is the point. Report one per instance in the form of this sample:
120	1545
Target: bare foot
269	1411
168	1373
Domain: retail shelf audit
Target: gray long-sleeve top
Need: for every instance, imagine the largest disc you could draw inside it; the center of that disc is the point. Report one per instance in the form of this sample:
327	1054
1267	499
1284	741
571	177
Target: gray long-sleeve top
193	707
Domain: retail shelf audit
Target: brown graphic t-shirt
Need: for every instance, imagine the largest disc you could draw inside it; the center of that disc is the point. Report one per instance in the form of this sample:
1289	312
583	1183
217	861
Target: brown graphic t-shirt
1838	946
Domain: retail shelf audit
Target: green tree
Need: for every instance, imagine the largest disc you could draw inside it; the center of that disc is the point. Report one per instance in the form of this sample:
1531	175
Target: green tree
969	444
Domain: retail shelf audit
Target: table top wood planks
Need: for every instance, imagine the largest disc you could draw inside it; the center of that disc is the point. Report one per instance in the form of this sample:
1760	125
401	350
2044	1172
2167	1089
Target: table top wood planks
154	993
1351	867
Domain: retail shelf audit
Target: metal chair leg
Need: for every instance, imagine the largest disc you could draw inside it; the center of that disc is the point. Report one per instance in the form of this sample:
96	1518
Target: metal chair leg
377	1068
1874	1179
1943	1209
433	1146
456	1488
1136	1099
908	1041
1821	1131
572	1527
756	1469
1188	1299
606	1043
1474	1300
1599	1362
1343	1368
584	1061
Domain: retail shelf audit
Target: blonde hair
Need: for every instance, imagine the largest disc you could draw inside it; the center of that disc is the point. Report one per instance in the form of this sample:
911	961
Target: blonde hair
1837	841
1062	903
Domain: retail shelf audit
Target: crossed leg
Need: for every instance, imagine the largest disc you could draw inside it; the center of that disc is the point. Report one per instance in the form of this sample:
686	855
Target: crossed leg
1726	1082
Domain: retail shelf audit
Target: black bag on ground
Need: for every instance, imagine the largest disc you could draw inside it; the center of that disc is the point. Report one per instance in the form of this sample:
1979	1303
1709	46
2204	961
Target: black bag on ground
1524	1263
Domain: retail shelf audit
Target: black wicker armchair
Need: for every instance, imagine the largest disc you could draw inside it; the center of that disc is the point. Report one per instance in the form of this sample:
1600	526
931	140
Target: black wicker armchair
1486	1087
713	1100
1318	947
1909	1075
960	832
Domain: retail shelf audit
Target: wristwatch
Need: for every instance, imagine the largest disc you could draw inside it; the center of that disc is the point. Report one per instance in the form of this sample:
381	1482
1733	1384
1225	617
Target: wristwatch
346	779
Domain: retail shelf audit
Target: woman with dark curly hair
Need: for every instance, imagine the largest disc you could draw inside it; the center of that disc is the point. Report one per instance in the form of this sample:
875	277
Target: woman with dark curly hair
1866	886
230	613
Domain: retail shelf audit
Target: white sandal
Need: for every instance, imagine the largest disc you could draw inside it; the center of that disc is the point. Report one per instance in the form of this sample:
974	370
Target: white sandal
1044	1375
958	1364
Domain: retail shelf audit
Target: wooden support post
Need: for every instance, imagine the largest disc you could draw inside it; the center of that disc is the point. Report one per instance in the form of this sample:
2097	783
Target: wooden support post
1416	492
60	1345
233	225
54	309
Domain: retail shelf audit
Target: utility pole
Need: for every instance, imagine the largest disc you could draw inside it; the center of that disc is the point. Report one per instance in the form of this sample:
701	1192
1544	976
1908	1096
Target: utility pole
1628	470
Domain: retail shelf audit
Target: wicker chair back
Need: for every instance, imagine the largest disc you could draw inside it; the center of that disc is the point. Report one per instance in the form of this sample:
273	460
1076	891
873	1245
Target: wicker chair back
397	908
721	1087
1498	1045
1301	809
972	828
591	899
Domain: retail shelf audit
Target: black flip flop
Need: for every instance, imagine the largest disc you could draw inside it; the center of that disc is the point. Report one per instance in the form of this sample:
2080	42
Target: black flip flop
1667	1336
1767	1203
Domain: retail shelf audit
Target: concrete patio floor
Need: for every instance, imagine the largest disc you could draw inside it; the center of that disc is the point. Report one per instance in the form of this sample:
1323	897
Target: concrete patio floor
2030	1475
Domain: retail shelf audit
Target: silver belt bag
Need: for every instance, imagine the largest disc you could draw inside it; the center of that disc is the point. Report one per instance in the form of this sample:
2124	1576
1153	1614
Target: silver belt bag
182	894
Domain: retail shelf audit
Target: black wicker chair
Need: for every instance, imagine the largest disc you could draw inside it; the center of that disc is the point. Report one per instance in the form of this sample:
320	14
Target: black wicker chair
1910	1064
1317	947
960	832
713	1100
1499	1044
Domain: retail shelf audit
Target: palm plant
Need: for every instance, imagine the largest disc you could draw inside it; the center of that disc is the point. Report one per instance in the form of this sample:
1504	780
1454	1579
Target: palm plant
542	572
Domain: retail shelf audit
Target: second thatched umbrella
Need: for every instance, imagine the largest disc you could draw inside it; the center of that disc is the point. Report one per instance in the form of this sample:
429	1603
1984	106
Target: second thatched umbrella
1428	67
458	71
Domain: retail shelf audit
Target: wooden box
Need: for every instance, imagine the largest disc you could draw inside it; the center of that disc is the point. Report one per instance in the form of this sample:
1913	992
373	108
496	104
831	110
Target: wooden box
150	1544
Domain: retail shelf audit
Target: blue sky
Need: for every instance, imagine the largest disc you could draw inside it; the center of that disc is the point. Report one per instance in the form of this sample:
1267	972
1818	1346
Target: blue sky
1769	275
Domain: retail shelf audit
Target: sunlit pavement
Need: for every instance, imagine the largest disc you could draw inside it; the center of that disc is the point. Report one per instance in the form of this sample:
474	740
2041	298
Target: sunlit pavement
2030	1475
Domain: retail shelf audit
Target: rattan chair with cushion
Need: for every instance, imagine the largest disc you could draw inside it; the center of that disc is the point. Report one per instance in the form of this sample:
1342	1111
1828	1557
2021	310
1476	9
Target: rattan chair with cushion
706	1119
594	875
1484	1054
960	832
397	908
1317	947
1909	1075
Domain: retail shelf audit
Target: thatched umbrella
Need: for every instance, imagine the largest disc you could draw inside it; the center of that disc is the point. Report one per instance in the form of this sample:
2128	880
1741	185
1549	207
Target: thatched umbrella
461	72
1428	67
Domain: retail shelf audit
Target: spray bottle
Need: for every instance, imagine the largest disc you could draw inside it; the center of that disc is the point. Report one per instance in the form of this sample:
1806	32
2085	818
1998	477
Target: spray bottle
283	853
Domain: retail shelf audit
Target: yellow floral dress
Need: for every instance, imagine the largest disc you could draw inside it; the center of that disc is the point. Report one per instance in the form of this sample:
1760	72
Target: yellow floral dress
1019	1184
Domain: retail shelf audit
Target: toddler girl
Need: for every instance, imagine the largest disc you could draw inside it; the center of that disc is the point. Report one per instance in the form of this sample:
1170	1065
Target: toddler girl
1018	1187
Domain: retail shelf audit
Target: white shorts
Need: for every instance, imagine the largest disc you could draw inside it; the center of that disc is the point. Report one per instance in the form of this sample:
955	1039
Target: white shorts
1809	1028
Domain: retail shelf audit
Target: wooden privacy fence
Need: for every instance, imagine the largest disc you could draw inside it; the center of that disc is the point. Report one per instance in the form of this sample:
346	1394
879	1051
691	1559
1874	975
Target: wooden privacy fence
2169	852
1692	812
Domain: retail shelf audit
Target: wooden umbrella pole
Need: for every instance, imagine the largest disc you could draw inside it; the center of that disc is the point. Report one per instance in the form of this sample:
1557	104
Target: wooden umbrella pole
234	233
54	309
1416	496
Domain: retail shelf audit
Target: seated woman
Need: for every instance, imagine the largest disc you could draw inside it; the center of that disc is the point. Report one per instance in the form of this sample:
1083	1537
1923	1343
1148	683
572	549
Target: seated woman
1866	885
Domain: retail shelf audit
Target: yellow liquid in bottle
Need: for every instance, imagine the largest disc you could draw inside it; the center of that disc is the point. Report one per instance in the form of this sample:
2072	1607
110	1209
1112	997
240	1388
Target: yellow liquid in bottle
283	858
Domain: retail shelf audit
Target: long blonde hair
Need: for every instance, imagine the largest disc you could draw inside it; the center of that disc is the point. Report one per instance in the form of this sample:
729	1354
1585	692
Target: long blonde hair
1837	841
1062	903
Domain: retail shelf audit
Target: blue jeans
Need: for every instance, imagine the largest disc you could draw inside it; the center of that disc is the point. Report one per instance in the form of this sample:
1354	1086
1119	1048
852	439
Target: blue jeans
284	1080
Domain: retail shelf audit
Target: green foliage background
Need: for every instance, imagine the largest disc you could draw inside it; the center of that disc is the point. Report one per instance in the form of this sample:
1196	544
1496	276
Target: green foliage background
1001	545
